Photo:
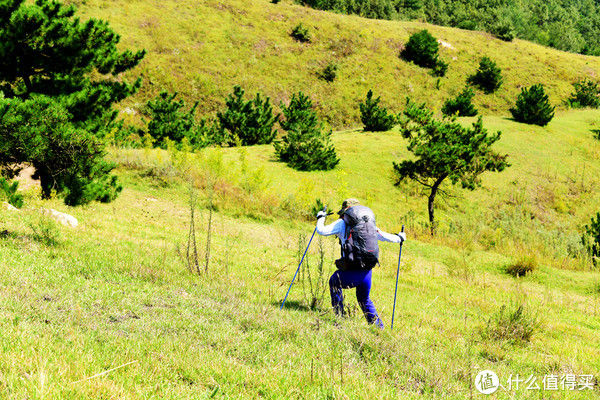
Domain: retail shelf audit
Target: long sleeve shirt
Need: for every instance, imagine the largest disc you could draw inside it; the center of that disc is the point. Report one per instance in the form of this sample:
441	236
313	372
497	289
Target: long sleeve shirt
339	228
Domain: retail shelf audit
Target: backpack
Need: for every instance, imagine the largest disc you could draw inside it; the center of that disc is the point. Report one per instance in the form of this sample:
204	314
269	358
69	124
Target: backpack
361	249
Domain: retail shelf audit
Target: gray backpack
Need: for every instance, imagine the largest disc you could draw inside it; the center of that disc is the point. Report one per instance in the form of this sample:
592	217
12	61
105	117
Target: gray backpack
361	249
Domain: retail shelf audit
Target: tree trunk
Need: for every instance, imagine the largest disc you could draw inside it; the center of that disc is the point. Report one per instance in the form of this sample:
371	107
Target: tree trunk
432	194
27	82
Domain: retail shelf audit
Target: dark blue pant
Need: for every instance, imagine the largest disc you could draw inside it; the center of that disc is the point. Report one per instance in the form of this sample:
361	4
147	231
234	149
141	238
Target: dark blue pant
361	280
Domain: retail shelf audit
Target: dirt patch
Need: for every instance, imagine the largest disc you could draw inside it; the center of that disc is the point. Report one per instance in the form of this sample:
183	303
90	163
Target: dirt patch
25	179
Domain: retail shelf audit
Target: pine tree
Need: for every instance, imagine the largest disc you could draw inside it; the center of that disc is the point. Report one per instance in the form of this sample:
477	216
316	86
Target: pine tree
533	106
168	120
488	76
586	94
423	49
591	239
246	122
461	105
445	150
300	33
305	146
61	78
45	49
374	117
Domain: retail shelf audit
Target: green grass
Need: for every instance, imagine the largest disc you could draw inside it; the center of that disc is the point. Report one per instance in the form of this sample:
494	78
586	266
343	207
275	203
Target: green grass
115	291
202	49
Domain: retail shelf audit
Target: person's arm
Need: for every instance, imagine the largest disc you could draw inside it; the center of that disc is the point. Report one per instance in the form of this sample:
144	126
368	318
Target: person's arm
388	237
335	228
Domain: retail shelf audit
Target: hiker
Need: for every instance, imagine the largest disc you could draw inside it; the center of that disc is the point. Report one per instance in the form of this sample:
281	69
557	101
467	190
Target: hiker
358	237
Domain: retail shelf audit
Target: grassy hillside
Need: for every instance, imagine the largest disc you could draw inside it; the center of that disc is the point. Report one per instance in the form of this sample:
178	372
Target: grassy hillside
110	310
202	49
76	303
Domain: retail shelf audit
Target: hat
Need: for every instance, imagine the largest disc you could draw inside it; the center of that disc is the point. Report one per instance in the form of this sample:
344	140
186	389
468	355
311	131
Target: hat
347	204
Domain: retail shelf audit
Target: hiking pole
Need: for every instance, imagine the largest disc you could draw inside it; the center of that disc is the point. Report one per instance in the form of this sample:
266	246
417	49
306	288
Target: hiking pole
298	269
397	273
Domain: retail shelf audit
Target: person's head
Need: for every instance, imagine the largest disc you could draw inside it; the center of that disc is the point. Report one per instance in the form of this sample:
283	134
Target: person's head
347	204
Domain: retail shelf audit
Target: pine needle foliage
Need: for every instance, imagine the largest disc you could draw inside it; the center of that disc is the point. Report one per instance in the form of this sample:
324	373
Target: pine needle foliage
533	106
306	146
374	117
445	149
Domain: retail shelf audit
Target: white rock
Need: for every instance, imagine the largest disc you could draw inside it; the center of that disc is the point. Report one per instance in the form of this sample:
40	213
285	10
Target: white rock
65	219
9	207
446	44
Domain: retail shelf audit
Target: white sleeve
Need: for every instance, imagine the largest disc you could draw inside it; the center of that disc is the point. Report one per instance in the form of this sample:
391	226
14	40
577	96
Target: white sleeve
336	228
387	237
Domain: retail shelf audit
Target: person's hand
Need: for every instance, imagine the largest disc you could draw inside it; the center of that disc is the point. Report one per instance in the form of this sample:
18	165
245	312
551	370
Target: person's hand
402	236
321	214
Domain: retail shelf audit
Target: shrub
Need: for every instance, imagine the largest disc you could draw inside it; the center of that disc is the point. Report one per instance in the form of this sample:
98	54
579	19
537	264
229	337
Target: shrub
488	76
329	73
246	122
516	325
305	146
591	239
586	94
300	33
8	191
533	106
596	133
521	267
423	49
440	68
204	133
45	230
503	31
374	117
168	120
461	105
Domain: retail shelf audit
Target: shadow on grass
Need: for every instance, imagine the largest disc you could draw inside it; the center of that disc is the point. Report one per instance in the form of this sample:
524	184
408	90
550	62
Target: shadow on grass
293	305
25	238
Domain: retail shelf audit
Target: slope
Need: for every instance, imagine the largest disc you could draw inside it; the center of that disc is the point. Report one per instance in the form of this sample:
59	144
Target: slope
202	49
115	293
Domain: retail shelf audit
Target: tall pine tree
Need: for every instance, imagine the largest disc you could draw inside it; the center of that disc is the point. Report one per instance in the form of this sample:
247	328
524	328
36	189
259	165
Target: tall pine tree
305	146
45	49
70	73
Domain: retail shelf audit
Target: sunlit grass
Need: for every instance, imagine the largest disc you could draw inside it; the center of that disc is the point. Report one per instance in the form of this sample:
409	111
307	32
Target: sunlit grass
115	290
202	49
